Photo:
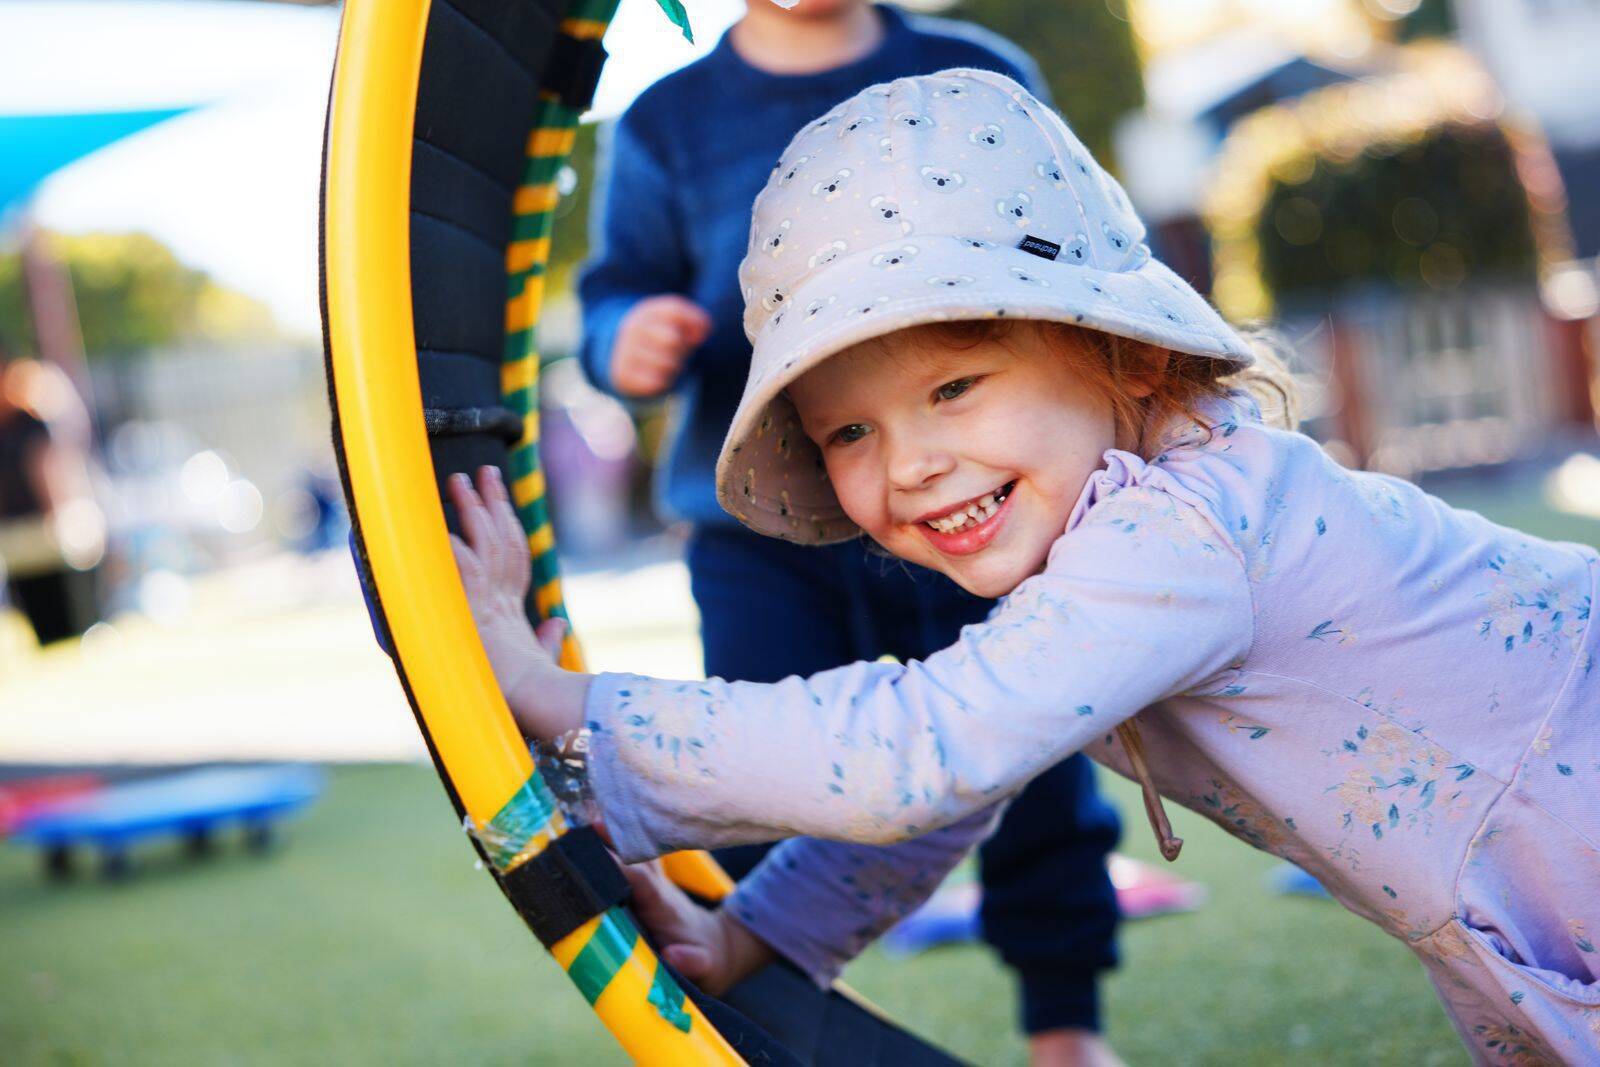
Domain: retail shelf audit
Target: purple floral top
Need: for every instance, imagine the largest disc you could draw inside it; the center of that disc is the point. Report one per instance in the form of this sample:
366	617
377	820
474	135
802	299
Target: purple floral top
1332	665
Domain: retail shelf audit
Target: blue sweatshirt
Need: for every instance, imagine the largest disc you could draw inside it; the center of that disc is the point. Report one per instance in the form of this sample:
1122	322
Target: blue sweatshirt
682	167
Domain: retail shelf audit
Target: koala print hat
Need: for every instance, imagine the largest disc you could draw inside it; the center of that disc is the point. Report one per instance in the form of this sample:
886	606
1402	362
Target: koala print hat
951	196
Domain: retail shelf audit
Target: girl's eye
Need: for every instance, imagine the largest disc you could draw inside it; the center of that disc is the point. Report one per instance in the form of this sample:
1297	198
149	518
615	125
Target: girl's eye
951	390
850	434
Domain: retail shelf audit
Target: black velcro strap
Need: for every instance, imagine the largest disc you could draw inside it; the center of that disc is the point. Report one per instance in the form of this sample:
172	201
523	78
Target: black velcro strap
573	70
570	882
461	422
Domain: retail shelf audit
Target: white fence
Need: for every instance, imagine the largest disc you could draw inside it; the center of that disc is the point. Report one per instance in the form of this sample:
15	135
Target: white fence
264	409
1417	382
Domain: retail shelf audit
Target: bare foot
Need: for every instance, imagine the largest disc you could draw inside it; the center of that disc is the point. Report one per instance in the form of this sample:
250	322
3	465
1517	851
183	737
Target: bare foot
1071	1048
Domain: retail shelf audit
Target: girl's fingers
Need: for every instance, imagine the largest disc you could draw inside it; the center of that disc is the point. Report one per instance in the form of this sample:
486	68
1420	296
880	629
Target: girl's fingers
638	878
516	540
473	516
467	563
647	896
692	961
460	490
494	550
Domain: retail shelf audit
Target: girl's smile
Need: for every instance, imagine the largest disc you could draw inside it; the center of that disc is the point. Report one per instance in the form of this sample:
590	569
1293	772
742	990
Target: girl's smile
964	458
971	524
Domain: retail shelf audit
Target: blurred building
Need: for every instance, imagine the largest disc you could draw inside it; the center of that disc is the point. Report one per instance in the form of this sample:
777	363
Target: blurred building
1194	96
214	456
1543	55
1420	221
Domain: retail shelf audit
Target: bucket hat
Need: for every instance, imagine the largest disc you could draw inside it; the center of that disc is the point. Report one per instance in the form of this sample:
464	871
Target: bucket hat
950	196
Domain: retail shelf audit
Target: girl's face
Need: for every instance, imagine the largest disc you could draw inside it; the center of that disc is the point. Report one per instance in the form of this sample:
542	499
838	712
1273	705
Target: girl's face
967	461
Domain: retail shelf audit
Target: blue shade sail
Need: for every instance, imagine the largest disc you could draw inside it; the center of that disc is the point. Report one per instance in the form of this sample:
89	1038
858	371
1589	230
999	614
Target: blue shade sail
32	147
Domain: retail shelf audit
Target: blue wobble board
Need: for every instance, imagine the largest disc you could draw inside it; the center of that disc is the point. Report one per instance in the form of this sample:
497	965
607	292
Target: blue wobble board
193	805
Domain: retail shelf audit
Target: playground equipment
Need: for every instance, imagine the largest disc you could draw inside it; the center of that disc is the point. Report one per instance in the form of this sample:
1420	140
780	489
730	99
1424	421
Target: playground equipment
448	124
194	805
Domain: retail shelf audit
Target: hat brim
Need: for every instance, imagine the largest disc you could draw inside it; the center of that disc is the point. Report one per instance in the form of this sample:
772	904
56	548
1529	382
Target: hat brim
770	475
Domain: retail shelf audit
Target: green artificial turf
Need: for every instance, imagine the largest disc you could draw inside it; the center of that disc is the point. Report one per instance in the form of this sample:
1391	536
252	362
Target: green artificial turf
1515	497
369	938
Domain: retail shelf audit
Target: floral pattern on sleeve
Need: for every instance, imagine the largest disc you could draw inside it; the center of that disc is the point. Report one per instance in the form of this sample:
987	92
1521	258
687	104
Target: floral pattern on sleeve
1525	605
1394	781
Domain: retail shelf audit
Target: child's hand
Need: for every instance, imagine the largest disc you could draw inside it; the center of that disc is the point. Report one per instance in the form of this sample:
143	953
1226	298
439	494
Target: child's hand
654	340
708	947
495	572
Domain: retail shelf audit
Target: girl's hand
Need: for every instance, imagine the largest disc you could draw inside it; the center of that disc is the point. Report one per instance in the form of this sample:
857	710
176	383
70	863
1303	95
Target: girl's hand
495	572
709	948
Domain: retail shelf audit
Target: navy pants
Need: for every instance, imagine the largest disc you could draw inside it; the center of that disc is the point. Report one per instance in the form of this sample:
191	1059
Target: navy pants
770	609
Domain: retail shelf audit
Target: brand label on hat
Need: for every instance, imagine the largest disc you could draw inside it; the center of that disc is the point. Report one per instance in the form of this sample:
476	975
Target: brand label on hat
1038	246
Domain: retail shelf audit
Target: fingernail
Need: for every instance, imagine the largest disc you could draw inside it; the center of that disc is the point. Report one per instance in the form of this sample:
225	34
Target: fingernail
461	479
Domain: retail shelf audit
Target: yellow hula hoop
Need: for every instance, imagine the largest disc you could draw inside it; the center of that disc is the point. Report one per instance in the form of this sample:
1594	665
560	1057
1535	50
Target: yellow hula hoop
389	478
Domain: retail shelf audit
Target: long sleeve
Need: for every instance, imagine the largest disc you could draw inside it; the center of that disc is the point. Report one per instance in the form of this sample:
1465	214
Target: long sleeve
820	903
1144	599
636	242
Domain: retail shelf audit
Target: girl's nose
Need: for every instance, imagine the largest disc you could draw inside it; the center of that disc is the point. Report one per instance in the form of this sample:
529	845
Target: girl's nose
917	464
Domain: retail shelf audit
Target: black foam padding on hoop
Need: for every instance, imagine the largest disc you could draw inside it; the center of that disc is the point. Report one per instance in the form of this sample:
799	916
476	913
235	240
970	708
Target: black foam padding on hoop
826	1028
462	306
457	379
482	65
753	1044
460	380
493	421
570	882
450	191
574	70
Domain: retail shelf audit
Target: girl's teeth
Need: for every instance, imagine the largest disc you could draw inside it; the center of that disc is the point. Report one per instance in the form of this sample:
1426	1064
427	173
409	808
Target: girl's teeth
973	514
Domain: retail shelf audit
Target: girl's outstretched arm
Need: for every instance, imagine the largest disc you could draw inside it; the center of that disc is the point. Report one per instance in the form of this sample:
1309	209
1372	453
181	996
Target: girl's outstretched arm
820	903
1144	600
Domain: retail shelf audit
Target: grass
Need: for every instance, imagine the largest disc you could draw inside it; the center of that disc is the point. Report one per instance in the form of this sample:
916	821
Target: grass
370	938
1514	496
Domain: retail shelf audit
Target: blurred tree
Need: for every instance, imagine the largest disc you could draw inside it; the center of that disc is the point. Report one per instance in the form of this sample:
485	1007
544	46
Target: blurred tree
1412	20
1086	51
1433	213
1432	18
133	294
1410	178
569	245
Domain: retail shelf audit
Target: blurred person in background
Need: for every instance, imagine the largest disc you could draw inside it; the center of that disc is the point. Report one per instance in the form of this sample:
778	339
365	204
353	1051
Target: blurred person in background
52	534
662	314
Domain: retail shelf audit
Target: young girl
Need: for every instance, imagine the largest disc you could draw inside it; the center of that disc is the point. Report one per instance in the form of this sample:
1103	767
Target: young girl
964	351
